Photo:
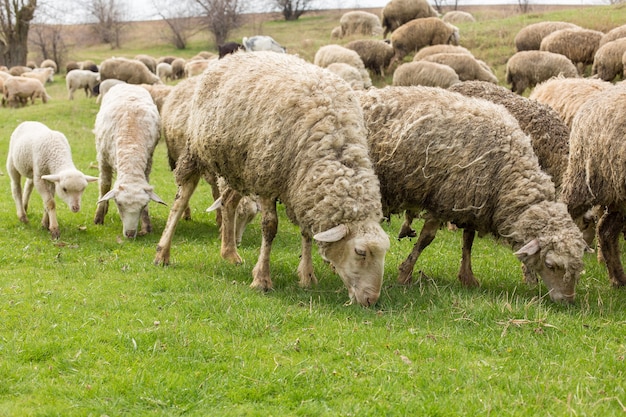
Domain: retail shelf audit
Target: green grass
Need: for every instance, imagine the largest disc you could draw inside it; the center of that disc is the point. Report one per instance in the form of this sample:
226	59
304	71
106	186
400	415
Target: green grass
90	327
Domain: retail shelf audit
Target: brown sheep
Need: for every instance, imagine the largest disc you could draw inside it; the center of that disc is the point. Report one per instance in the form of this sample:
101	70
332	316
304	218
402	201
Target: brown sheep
529	37
398	12
418	33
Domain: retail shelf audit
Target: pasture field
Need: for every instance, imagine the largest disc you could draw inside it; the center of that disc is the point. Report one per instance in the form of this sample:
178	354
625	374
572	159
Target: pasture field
89	326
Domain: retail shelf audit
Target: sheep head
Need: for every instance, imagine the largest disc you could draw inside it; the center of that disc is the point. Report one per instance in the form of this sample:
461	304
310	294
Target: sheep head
69	185
357	253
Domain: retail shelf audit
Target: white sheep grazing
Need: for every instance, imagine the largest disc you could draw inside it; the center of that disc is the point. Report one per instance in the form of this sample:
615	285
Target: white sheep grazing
467	161
127	130
44	75
44	158
81	79
164	71
262	43
17	90
302	142
329	54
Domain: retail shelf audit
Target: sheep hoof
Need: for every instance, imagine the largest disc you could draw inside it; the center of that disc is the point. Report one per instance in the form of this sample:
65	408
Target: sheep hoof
405	277
406	232
24	219
55	233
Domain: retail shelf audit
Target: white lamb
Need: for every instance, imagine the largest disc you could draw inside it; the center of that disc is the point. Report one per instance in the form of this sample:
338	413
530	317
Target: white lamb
127	130
81	79
44	157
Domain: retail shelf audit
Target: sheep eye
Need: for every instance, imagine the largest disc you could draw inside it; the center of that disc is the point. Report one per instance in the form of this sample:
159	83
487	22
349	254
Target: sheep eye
549	265
360	252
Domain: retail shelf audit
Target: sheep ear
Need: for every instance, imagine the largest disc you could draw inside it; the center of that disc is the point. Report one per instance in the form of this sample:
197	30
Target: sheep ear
107	196
156	198
51	178
528	249
89	178
332	235
216	204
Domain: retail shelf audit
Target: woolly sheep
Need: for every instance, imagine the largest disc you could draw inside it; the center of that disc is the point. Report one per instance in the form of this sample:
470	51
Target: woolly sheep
19	70
148	61
567	95
71	66
466	66
81	79
467	161
43	75
425	73
579	45
418	33
311	155
44	158
164	71
607	63
167	59
178	68
175	114
596	175
398	12
262	43
130	70
375	54
440	49
336	33
529	37
525	69
458	16
89	65
104	87
49	63
349	74
360	23
127	130
329	54
615	33
17	90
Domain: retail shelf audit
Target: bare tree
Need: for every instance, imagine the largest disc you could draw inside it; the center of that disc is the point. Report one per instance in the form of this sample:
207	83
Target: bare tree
440	4
47	41
180	16
292	9
15	18
109	20
221	17
523	6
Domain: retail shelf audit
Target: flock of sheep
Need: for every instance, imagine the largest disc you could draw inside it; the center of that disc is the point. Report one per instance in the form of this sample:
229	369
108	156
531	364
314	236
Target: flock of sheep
263	126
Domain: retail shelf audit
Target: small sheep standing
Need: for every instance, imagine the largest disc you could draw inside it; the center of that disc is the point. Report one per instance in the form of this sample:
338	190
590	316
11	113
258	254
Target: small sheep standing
398	12
17	91
304	144
262	43
44	158
178	68
466	66
467	161
607	63
164	71
127	130
579	45
529	37
329	54
81	80
360	23
596	174
130	70
567	95
525	69
418	33
375	54
425	73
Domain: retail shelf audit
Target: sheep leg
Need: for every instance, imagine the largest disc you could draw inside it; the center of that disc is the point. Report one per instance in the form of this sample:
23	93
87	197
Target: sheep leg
305	268
16	190
106	173
28	189
269	226
230	200
406	230
466	276
49	220
609	228
181	201
427	234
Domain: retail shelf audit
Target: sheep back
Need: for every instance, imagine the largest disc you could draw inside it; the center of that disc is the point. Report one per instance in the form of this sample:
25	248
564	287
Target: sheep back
458	16
529	37
425	73
329	54
579	45
398	12
418	33
130	70
526	69
360	23
466	66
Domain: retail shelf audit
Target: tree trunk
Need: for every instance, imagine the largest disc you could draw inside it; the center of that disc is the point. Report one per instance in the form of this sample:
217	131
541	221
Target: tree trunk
15	49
